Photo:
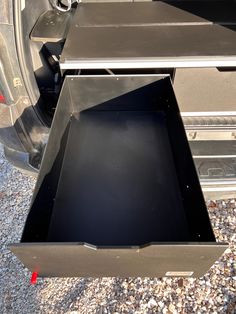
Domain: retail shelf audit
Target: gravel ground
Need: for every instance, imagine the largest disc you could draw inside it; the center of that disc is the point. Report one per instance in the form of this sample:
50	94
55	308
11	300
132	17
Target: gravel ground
213	293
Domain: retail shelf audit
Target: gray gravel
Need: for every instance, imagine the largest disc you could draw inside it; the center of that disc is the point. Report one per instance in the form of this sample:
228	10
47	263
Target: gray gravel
213	293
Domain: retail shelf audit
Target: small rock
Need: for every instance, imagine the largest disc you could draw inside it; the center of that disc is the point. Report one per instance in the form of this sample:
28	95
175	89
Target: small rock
180	282
171	308
152	303
161	304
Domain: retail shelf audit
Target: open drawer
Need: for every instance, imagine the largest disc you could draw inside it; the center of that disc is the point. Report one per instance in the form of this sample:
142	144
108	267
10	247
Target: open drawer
117	193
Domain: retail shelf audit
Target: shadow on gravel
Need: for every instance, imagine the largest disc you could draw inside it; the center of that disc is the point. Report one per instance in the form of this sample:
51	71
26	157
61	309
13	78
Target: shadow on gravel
17	294
163	296
72	295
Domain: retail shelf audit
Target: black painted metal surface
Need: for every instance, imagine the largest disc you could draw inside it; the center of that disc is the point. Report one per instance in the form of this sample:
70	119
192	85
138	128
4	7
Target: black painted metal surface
156	13
151	34
98	43
51	26
134	13
122	188
70	260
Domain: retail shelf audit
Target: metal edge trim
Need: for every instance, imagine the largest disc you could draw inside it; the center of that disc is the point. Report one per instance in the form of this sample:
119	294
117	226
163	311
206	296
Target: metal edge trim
180	62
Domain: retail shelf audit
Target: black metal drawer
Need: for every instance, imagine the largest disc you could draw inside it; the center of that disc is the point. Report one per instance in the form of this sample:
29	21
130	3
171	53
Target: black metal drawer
117	193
